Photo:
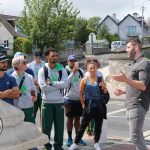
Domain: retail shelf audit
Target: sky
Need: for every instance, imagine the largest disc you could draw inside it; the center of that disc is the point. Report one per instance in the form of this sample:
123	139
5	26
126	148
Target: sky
89	8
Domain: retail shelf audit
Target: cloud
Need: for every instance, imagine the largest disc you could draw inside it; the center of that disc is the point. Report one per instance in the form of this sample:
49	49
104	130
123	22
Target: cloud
102	8
89	8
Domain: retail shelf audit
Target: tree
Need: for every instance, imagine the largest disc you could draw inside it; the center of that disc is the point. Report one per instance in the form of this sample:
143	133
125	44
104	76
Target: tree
94	24
48	22
81	31
104	33
23	45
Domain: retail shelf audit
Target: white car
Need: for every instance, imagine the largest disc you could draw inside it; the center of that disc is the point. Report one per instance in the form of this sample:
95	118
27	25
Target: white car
118	46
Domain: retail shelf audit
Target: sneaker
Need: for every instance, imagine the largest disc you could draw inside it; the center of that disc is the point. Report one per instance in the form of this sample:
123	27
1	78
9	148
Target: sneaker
73	146
69	141
81	142
96	146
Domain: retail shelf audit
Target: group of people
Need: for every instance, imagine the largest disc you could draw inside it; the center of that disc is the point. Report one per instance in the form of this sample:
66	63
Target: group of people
83	96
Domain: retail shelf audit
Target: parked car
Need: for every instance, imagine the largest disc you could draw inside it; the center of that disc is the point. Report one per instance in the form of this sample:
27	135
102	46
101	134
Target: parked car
118	46
3	49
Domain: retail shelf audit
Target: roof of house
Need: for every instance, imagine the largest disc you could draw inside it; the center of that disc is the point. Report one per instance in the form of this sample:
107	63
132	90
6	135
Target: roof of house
137	19
4	19
116	21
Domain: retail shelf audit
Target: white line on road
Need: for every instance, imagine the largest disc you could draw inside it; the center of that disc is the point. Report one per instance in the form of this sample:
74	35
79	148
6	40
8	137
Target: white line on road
115	112
146	133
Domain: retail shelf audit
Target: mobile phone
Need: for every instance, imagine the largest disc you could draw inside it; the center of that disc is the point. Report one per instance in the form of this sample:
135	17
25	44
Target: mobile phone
76	64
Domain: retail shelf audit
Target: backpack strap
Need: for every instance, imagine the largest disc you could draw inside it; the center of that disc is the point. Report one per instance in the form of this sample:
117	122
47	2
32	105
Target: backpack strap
99	79
80	73
68	71
79	70
45	72
21	82
60	75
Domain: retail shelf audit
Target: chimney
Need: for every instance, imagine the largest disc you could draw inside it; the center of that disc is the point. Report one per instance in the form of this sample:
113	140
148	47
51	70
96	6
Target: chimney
135	15
114	15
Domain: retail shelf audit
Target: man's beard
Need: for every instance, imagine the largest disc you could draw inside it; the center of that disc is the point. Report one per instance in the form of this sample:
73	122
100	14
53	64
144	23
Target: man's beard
132	54
53	62
3	69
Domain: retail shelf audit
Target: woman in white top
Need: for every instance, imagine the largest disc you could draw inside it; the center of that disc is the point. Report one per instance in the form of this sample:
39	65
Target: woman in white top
27	88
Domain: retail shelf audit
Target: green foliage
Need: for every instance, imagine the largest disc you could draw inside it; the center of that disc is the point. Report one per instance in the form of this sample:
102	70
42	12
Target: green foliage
115	37
48	22
81	31
94	24
23	45
103	33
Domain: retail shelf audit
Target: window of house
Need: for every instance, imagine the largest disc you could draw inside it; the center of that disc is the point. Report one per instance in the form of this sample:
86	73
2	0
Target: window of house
6	43
132	29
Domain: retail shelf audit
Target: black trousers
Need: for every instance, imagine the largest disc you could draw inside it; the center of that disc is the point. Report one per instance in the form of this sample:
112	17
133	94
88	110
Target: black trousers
95	113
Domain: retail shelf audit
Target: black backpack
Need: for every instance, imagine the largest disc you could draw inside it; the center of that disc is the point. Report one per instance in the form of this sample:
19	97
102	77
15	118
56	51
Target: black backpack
59	79
68	72
79	70
46	73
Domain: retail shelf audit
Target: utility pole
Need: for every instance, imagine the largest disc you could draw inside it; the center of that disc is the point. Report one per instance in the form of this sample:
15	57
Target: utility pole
142	23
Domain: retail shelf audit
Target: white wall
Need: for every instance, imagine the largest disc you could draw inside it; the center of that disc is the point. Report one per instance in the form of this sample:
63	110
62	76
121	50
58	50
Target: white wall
112	26
5	35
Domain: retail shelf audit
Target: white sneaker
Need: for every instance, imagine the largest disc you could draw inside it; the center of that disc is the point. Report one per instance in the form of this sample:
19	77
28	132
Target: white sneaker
73	146
96	146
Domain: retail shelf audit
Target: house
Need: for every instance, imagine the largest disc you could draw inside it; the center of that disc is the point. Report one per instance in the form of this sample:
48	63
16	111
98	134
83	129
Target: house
8	31
130	26
111	23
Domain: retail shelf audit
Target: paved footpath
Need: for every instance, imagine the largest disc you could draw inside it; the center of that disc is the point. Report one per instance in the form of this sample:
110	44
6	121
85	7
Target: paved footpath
110	145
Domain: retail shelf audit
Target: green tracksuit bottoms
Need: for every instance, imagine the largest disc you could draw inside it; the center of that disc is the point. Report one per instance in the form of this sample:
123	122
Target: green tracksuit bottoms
29	114
53	113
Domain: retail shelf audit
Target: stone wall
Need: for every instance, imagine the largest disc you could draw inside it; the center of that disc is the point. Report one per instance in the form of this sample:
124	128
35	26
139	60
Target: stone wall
146	52
117	63
98	51
63	55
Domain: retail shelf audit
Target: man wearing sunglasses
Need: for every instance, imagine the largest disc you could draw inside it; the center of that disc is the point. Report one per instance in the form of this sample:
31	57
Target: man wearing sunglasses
28	70
8	87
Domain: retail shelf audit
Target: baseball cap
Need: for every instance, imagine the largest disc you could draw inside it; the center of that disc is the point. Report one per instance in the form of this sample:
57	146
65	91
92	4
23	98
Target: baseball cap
3	58
72	57
38	53
18	54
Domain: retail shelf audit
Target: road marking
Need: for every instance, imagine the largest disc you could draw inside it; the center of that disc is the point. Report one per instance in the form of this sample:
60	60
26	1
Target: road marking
146	133
115	112
121	117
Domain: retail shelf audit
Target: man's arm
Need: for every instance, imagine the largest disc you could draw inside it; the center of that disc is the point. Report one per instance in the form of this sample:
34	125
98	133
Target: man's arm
14	93
139	85
119	92
4	94
64	81
44	84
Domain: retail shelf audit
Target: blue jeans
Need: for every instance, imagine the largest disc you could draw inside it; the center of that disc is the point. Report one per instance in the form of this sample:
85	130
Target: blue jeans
136	117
